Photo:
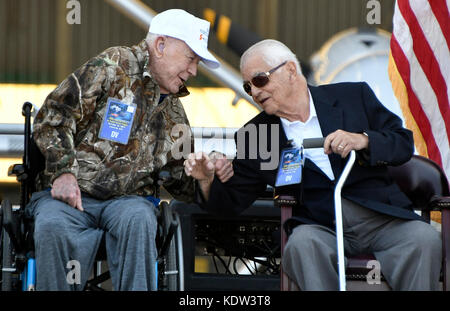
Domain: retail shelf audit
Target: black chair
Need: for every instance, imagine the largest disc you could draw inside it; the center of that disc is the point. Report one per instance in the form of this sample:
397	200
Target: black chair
426	185
17	245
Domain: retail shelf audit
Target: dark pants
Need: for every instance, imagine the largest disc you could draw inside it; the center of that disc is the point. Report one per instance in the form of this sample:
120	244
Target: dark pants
67	239
409	251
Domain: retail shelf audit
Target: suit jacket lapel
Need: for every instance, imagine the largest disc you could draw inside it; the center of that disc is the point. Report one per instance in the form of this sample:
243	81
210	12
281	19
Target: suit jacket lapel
330	119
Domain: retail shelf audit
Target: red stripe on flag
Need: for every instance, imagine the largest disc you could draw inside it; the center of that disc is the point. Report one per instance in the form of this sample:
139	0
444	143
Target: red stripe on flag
427	61
416	109
441	12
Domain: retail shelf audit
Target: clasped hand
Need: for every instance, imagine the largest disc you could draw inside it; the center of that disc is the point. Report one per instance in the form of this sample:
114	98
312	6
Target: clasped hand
203	167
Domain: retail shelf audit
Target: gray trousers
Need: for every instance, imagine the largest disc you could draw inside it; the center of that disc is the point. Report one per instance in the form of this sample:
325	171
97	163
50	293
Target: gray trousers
67	239
409	251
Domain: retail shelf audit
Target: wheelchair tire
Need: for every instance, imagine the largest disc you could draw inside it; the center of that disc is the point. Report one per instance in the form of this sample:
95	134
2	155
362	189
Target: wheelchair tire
171	277
6	261
179	250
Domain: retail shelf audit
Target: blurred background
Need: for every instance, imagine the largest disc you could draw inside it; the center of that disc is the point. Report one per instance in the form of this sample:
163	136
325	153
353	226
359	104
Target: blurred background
39	46
335	40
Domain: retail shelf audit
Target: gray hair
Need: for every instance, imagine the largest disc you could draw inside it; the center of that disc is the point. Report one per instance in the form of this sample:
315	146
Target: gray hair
151	37
273	53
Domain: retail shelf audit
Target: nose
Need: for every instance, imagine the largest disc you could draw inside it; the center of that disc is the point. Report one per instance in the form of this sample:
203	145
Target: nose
255	91
192	69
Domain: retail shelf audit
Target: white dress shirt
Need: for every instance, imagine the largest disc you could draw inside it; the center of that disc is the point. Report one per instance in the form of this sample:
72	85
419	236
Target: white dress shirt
297	131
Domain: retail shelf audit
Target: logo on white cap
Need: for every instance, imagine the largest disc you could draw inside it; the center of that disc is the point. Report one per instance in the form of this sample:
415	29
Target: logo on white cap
204	36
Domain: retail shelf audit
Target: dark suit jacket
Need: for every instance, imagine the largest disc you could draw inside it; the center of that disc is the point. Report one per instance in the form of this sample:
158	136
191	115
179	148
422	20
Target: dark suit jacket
352	107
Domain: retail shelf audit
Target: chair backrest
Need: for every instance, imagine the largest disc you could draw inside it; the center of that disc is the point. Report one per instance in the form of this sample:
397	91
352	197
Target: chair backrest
420	179
37	164
33	160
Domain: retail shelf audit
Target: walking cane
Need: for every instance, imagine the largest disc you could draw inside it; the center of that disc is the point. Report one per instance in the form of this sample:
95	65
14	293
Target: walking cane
338	213
317	143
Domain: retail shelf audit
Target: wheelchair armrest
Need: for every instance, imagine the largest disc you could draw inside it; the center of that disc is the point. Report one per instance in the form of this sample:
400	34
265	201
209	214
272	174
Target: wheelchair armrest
283	200
19	171
16	170
285	203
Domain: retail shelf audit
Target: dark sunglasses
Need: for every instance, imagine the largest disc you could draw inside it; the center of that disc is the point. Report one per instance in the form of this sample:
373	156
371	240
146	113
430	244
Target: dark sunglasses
260	79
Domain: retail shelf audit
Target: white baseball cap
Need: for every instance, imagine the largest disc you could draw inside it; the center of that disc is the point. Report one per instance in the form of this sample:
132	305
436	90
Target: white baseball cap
192	30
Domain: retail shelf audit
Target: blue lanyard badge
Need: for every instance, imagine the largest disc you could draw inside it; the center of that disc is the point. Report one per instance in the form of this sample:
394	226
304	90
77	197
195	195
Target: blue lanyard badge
117	122
290	170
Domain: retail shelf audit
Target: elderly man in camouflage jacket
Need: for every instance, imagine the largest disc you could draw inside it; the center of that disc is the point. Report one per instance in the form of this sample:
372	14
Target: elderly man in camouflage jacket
106	132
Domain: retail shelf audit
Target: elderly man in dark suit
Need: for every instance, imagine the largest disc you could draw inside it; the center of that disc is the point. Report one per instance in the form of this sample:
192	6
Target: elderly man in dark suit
377	217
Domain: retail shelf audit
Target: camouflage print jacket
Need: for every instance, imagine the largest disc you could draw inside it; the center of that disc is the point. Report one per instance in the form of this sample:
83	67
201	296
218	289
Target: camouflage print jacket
66	129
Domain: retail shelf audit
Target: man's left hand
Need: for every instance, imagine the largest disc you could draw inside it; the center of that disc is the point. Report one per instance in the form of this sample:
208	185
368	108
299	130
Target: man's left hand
342	142
222	166
203	167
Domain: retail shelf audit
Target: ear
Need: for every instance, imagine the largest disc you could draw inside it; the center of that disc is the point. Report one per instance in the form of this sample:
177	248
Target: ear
292	69
159	45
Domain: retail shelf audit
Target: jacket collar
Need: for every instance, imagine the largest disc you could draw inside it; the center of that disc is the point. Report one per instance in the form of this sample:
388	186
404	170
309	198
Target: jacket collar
330	119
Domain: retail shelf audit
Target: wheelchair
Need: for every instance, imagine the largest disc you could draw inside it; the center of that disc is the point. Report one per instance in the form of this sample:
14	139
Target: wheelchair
17	258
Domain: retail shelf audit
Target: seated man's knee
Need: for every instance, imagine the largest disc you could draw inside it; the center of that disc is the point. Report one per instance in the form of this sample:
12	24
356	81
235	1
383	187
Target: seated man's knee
47	227
140	213
303	237
49	219
427	239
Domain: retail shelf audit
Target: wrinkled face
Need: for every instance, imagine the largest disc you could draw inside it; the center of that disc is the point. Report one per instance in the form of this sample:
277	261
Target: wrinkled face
270	97
176	64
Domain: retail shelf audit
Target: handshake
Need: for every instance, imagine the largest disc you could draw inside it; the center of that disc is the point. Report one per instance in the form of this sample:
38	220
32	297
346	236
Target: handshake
203	167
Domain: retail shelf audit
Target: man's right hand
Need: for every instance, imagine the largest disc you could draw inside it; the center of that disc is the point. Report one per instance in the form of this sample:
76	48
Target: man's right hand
199	166
65	188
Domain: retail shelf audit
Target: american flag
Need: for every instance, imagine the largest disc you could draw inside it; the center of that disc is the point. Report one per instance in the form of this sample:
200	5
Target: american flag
419	69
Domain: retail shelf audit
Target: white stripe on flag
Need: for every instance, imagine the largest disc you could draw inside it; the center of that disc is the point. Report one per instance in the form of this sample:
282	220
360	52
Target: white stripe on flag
435	38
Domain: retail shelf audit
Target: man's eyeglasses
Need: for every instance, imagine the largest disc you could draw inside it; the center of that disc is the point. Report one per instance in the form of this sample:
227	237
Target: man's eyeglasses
260	79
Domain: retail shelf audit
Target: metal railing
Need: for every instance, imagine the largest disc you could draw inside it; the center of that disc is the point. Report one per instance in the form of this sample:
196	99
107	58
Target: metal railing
224	75
222	139
11	140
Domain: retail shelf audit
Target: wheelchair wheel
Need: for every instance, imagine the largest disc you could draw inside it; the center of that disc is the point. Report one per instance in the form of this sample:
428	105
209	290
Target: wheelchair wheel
170	275
6	261
179	250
